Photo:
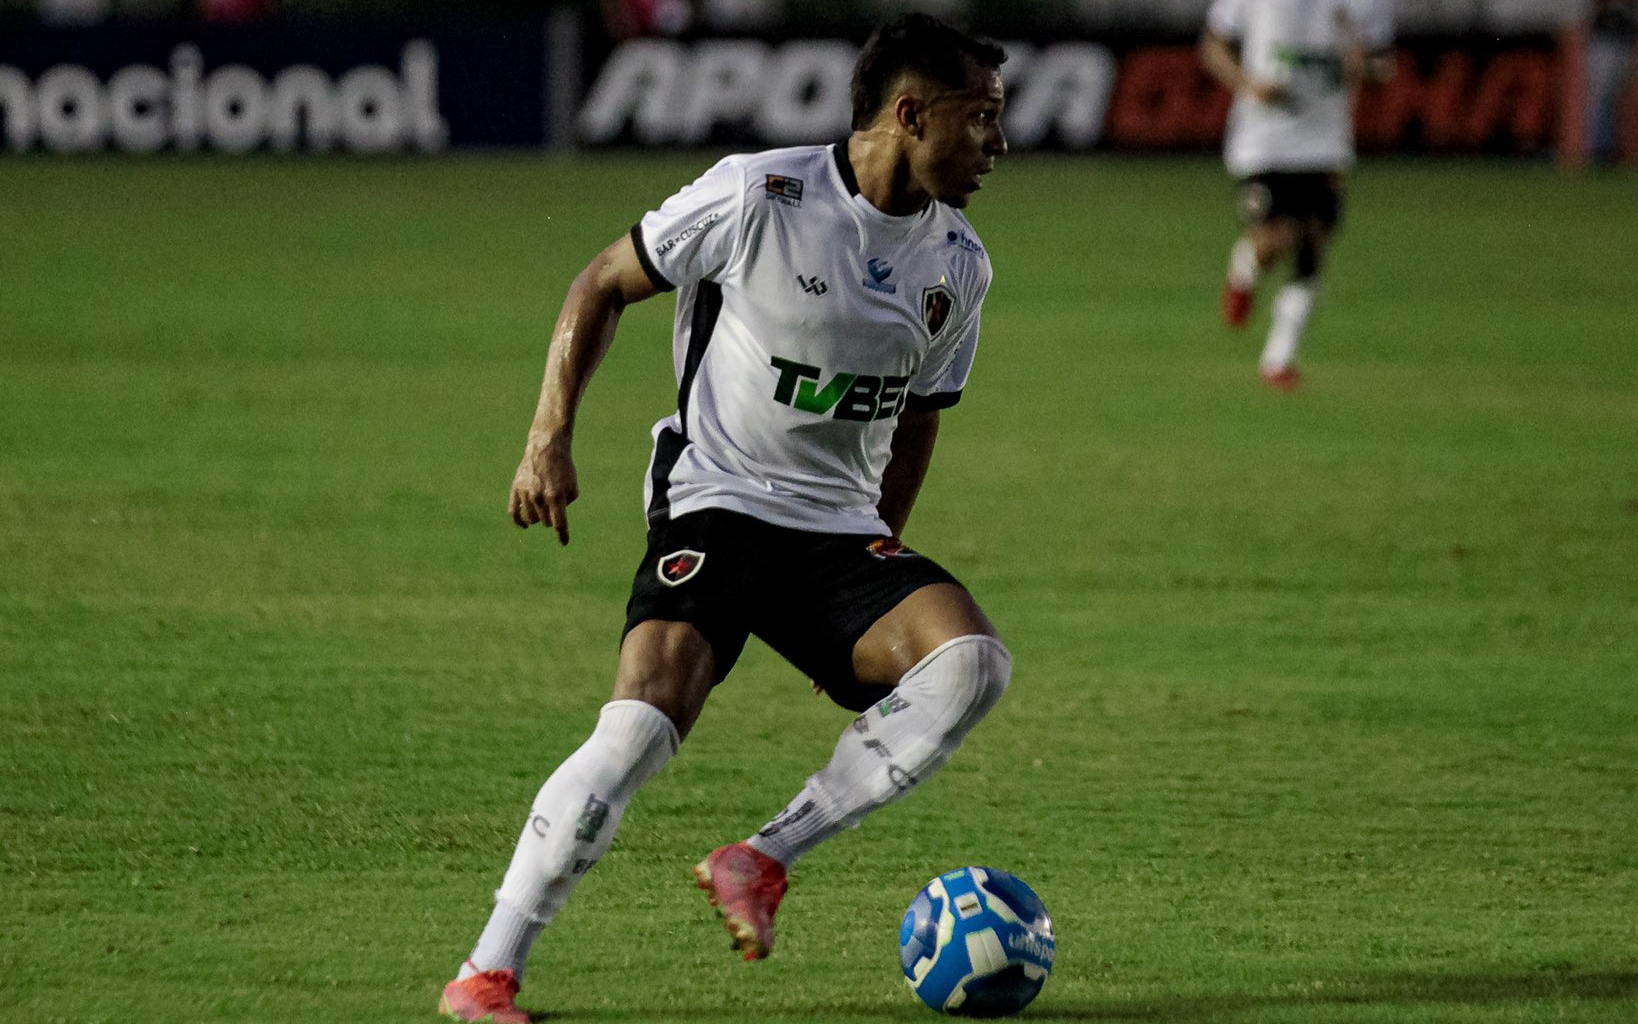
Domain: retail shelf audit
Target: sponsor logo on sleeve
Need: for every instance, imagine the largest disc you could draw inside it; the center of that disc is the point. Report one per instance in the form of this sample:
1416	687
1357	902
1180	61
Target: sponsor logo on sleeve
965	241
686	233
782	189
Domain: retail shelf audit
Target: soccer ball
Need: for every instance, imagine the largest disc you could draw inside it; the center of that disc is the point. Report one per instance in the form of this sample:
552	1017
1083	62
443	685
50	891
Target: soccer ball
976	942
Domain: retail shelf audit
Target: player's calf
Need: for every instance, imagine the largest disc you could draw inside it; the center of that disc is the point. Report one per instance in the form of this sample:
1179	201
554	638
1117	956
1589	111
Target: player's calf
887	751
894	746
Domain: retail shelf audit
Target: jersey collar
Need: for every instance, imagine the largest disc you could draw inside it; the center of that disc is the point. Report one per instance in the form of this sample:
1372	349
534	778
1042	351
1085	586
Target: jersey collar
866	209
844	167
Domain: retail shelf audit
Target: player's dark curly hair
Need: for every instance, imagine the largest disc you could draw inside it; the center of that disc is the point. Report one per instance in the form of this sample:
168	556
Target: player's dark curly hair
920	43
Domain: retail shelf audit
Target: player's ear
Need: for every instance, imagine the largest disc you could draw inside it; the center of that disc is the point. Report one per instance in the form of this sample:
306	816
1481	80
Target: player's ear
907	112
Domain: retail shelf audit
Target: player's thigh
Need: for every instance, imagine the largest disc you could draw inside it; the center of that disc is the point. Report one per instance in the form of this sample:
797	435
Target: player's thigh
1275	240
832	591
687	611
669	665
916	627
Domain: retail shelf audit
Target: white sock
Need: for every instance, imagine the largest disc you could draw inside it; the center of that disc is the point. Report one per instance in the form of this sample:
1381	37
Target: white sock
1292	307
894	746
1242	268
573	822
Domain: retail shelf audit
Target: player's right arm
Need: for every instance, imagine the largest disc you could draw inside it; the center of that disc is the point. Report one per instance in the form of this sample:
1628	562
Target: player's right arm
1222	59
546	482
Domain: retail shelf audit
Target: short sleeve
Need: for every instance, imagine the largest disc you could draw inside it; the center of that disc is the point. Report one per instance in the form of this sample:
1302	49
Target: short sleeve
693	235
944	374
1227	18
1374	22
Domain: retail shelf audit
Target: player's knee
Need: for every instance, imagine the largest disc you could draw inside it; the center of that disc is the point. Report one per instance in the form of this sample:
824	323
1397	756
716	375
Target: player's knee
970	673
636	740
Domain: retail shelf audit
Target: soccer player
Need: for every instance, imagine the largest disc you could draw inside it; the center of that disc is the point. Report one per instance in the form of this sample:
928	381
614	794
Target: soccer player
1293	66
827	311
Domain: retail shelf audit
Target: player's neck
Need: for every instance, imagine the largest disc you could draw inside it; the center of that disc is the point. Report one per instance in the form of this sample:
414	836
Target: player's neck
883	173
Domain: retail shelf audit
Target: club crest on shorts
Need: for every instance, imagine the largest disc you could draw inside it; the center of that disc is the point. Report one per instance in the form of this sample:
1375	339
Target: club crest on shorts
888	547
679	567
937	303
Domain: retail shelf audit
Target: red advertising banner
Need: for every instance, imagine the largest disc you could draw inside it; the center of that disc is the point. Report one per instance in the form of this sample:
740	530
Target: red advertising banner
1448	96
1500	99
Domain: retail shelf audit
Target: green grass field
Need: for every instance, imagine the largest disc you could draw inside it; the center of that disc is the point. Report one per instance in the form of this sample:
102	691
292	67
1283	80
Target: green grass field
1325	708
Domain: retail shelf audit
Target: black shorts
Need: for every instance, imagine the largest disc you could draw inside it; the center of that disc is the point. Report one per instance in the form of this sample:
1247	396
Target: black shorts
809	596
1294	195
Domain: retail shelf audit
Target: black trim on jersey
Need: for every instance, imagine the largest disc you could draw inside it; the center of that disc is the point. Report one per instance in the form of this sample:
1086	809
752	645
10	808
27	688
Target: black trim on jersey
655	278
844	167
707	307
933	402
669	448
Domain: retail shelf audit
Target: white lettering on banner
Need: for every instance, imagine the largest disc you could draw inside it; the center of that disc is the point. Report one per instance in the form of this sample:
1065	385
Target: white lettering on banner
670	93
638	83
1064	89
725	77
233	108
136	107
809	94
667	93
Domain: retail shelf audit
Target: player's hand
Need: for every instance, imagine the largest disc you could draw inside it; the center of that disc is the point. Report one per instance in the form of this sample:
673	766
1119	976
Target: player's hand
545	485
1272	93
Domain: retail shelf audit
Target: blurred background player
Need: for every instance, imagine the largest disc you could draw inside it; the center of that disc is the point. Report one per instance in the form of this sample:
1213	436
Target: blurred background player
827	311
1612	32
1293	66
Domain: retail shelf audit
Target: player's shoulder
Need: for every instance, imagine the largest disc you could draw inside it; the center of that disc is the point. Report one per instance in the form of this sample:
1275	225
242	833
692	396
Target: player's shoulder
785	171
787	156
952	231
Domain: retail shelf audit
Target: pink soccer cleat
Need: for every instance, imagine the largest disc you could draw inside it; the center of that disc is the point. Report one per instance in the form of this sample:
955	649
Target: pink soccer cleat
745	885
485	996
1236	305
1282	378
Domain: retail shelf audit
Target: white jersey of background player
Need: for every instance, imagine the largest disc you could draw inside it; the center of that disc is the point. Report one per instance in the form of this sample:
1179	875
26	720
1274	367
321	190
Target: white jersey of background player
1293	66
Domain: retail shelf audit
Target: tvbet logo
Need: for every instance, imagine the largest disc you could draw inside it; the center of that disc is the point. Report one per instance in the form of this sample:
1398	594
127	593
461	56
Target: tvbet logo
853	396
233	108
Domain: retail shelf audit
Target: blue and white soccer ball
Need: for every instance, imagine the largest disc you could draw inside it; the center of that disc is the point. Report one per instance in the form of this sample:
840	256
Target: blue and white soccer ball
977	942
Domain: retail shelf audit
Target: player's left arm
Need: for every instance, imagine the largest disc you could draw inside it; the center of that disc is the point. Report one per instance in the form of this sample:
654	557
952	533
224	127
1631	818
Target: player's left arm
913	441
1368	57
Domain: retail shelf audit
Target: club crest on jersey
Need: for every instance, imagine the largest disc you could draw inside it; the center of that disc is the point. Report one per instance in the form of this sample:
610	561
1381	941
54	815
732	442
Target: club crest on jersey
880	271
888	547
937	303
679	567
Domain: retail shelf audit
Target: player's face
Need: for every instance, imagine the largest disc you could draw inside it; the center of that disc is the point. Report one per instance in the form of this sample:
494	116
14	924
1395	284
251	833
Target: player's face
961	138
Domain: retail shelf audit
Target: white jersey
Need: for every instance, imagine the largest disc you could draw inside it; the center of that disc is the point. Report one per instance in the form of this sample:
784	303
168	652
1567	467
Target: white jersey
807	320
1298	44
